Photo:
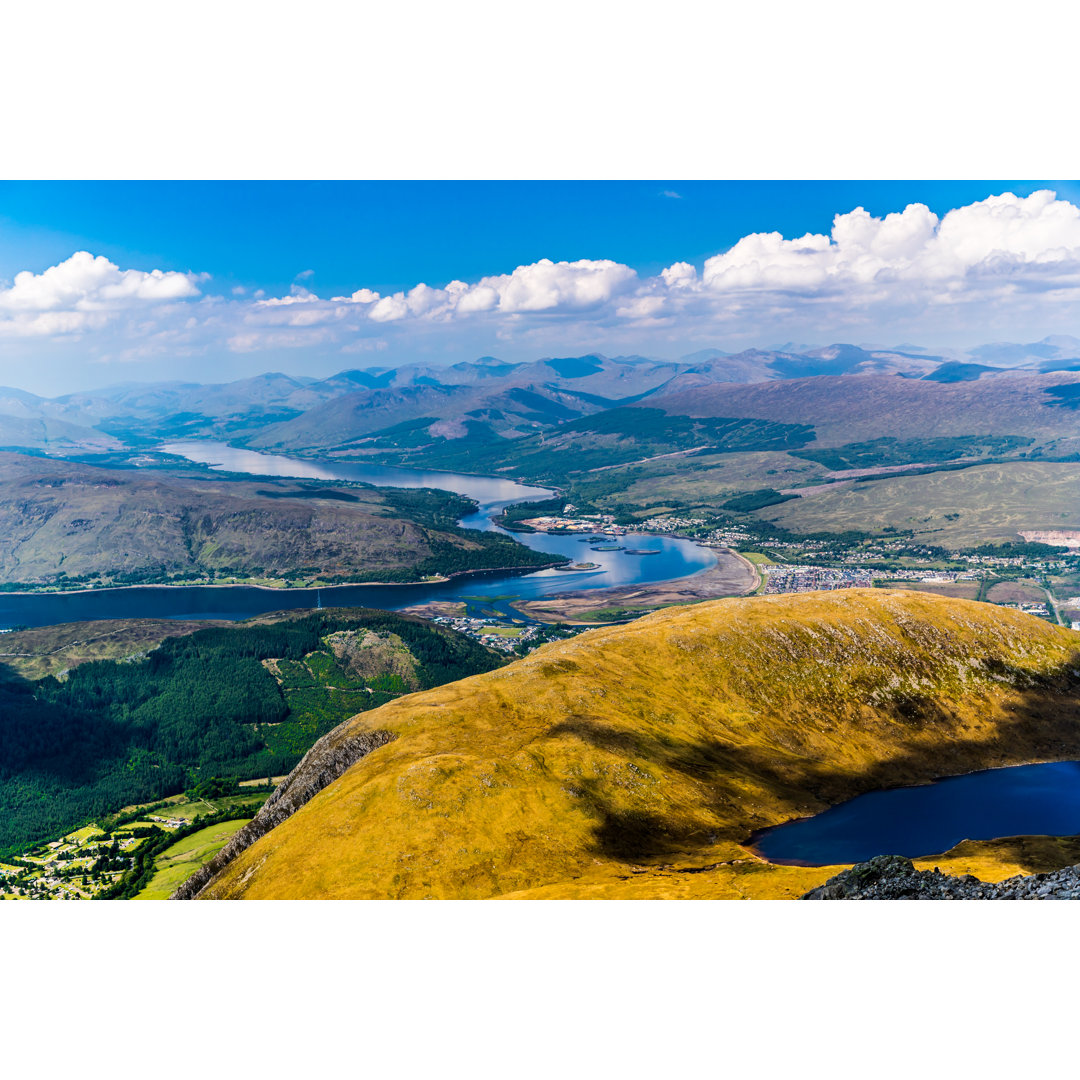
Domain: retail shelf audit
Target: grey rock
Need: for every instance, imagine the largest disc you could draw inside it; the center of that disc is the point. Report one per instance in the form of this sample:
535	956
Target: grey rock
892	877
328	759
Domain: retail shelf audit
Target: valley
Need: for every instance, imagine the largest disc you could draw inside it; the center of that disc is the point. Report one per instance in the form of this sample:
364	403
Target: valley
830	441
151	537
73	526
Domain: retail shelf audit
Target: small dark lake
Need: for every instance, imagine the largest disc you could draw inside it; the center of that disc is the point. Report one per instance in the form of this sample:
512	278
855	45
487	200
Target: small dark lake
928	820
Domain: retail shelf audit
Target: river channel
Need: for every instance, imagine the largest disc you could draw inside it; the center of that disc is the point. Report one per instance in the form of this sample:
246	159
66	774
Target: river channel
486	592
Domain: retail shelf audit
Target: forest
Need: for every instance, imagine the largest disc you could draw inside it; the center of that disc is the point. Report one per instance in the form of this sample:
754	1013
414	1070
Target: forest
244	702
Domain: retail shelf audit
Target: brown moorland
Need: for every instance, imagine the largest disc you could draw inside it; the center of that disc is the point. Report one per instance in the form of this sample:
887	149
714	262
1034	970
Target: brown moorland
850	408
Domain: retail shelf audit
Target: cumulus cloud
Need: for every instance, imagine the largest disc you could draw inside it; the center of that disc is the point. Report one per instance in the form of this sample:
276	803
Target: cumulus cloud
361	296
1003	257
543	286
297	295
1031	241
680	275
550	286
83	292
866	272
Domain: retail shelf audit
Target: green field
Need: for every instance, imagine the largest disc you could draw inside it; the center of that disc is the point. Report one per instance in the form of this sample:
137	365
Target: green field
190	810
613	614
762	562
757	558
177	863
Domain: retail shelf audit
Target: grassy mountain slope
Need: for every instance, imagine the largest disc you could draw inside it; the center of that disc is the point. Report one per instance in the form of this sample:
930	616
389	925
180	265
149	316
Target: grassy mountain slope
49	650
52	436
636	761
600	441
856	408
704	445
67	523
983	504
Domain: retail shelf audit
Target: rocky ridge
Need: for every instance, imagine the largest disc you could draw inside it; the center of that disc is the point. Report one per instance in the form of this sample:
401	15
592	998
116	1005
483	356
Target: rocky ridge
892	877
319	767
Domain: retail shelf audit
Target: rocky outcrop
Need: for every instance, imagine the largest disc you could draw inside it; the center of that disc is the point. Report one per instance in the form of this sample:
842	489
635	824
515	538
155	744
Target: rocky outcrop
892	877
318	768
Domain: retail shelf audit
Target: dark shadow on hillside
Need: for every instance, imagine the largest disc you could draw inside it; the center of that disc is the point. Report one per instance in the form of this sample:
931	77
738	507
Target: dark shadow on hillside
1044	726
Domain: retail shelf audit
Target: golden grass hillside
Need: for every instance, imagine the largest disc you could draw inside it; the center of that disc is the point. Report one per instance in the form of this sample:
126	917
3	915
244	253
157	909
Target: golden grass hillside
635	761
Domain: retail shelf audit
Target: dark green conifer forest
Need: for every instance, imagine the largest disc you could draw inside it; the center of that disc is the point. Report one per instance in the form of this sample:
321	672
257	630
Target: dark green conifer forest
111	733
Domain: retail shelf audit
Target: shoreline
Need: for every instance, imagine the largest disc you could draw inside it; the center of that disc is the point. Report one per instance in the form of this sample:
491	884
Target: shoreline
320	455
285	589
667	585
710	583
750	844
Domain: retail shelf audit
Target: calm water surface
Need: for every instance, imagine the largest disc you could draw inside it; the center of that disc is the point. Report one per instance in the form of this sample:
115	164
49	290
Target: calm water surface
1039	800
488	592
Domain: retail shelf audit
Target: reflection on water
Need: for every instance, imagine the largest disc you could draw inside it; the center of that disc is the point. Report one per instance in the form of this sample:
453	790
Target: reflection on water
1039	800
493	589
486	490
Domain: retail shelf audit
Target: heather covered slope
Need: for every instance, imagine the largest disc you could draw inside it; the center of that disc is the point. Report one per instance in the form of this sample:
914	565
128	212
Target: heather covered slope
853	408
636	761
70	524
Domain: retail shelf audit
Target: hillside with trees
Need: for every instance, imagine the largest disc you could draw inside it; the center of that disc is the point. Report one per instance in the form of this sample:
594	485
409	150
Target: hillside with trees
243	702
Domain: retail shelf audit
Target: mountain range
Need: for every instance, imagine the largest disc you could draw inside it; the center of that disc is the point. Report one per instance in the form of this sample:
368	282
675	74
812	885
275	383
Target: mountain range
484	398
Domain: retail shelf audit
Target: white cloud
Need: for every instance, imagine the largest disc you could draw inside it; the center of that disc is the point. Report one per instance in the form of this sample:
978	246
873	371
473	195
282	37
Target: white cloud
361	296
544	286
1029	241
390	308
297	295
992	264
554	286
83	292
680	275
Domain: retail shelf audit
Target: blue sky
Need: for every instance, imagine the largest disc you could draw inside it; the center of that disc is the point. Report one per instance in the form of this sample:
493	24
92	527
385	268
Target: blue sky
389	236
261	276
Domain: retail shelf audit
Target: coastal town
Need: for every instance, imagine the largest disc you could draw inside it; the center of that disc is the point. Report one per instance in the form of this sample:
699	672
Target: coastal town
805	564
513	638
